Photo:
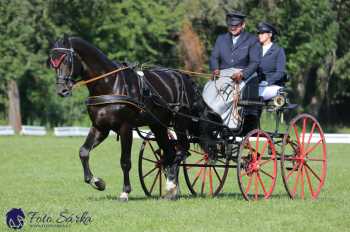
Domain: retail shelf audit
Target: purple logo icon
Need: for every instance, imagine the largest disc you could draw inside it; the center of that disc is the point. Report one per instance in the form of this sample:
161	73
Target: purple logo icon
15	218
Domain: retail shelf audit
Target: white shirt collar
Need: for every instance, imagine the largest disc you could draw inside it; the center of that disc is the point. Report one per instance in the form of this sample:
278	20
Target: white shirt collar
266	48
235	39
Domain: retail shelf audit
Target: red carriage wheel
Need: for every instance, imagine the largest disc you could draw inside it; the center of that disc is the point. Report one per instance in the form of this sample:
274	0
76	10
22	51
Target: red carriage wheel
257	166
151	171
204	176
304	158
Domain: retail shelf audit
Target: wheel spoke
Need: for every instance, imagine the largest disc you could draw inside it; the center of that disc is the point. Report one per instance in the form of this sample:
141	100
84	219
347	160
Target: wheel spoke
203	180
197	176
160	183
302	182
291	171
154	182
309	182
313	147
256	147
149	160
244	173
313	159
296	182
296	134
152	170
311	134
217	175
250	147
256	186
303	132
210	181
263	149
312	171
265	162
248	185
267	174
154	151
262	184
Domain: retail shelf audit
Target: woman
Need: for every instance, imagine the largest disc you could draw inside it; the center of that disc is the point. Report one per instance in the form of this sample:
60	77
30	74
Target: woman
272	63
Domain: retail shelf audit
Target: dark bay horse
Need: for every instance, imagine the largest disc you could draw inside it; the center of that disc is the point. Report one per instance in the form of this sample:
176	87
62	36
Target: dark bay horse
125	100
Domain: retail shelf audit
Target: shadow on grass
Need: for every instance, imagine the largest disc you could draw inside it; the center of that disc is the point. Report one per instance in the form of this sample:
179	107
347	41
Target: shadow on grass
234	196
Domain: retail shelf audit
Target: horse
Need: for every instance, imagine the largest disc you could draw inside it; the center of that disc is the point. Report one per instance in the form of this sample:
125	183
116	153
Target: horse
125	100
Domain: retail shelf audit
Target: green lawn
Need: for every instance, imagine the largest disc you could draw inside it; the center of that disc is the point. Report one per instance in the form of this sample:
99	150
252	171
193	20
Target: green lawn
44	174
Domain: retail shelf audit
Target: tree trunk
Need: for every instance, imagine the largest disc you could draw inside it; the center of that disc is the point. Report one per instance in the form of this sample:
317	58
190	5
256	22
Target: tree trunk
14	106
191	48
324	73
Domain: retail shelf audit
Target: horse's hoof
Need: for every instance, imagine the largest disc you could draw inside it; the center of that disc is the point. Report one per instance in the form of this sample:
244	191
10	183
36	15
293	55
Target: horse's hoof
124	197
171	194
98	183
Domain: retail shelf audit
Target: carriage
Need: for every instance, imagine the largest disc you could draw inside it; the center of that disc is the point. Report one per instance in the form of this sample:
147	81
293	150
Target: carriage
300	152
120	100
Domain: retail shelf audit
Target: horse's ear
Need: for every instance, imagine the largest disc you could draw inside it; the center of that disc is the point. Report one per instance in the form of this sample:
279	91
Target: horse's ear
50	42
48	62
66	40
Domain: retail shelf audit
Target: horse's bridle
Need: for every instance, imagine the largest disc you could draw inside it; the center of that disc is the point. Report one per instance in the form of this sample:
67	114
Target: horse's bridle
56	63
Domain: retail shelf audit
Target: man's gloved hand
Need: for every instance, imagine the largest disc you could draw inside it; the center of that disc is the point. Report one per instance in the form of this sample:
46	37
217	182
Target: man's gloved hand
216	74
237	77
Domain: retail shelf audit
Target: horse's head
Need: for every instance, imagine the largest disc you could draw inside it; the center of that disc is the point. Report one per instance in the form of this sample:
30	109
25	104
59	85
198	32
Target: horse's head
67	65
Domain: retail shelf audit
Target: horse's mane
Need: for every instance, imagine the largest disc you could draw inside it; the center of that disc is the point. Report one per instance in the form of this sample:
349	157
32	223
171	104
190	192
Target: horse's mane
88	49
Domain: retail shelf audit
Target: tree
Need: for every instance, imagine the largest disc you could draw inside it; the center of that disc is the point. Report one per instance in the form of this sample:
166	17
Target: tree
14	53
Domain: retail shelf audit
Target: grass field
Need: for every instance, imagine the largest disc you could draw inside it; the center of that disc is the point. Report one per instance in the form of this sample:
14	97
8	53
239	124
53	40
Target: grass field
45	175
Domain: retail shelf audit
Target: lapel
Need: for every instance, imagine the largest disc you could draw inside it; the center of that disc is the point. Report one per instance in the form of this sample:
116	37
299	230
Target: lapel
229	40
271	50
240	40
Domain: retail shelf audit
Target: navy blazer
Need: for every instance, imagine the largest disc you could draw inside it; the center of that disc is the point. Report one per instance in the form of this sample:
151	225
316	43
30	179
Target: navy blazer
273	65
245	54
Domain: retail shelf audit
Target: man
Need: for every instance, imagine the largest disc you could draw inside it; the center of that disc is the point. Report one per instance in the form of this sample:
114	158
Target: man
234	61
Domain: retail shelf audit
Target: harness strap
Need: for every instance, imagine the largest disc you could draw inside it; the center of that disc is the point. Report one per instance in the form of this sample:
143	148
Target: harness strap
112	99
99	77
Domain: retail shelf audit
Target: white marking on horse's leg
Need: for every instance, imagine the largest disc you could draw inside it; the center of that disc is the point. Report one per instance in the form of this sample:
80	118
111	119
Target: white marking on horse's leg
124	196
93	181
170	185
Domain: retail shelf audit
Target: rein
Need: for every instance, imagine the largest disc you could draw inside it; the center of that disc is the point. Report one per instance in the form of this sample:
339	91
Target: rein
80	83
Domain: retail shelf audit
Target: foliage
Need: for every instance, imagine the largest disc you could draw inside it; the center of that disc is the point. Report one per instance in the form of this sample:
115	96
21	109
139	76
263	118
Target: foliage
314	33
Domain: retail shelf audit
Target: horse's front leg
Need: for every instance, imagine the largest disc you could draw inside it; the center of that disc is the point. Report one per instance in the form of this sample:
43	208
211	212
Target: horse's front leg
94	138
125	159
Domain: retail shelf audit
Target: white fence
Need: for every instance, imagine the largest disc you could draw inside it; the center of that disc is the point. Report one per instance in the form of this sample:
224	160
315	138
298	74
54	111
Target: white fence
83	131
33	130
70	131
6	130
337	138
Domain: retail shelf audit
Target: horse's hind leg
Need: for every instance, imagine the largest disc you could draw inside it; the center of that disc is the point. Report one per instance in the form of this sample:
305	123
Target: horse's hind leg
94	138
125	159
